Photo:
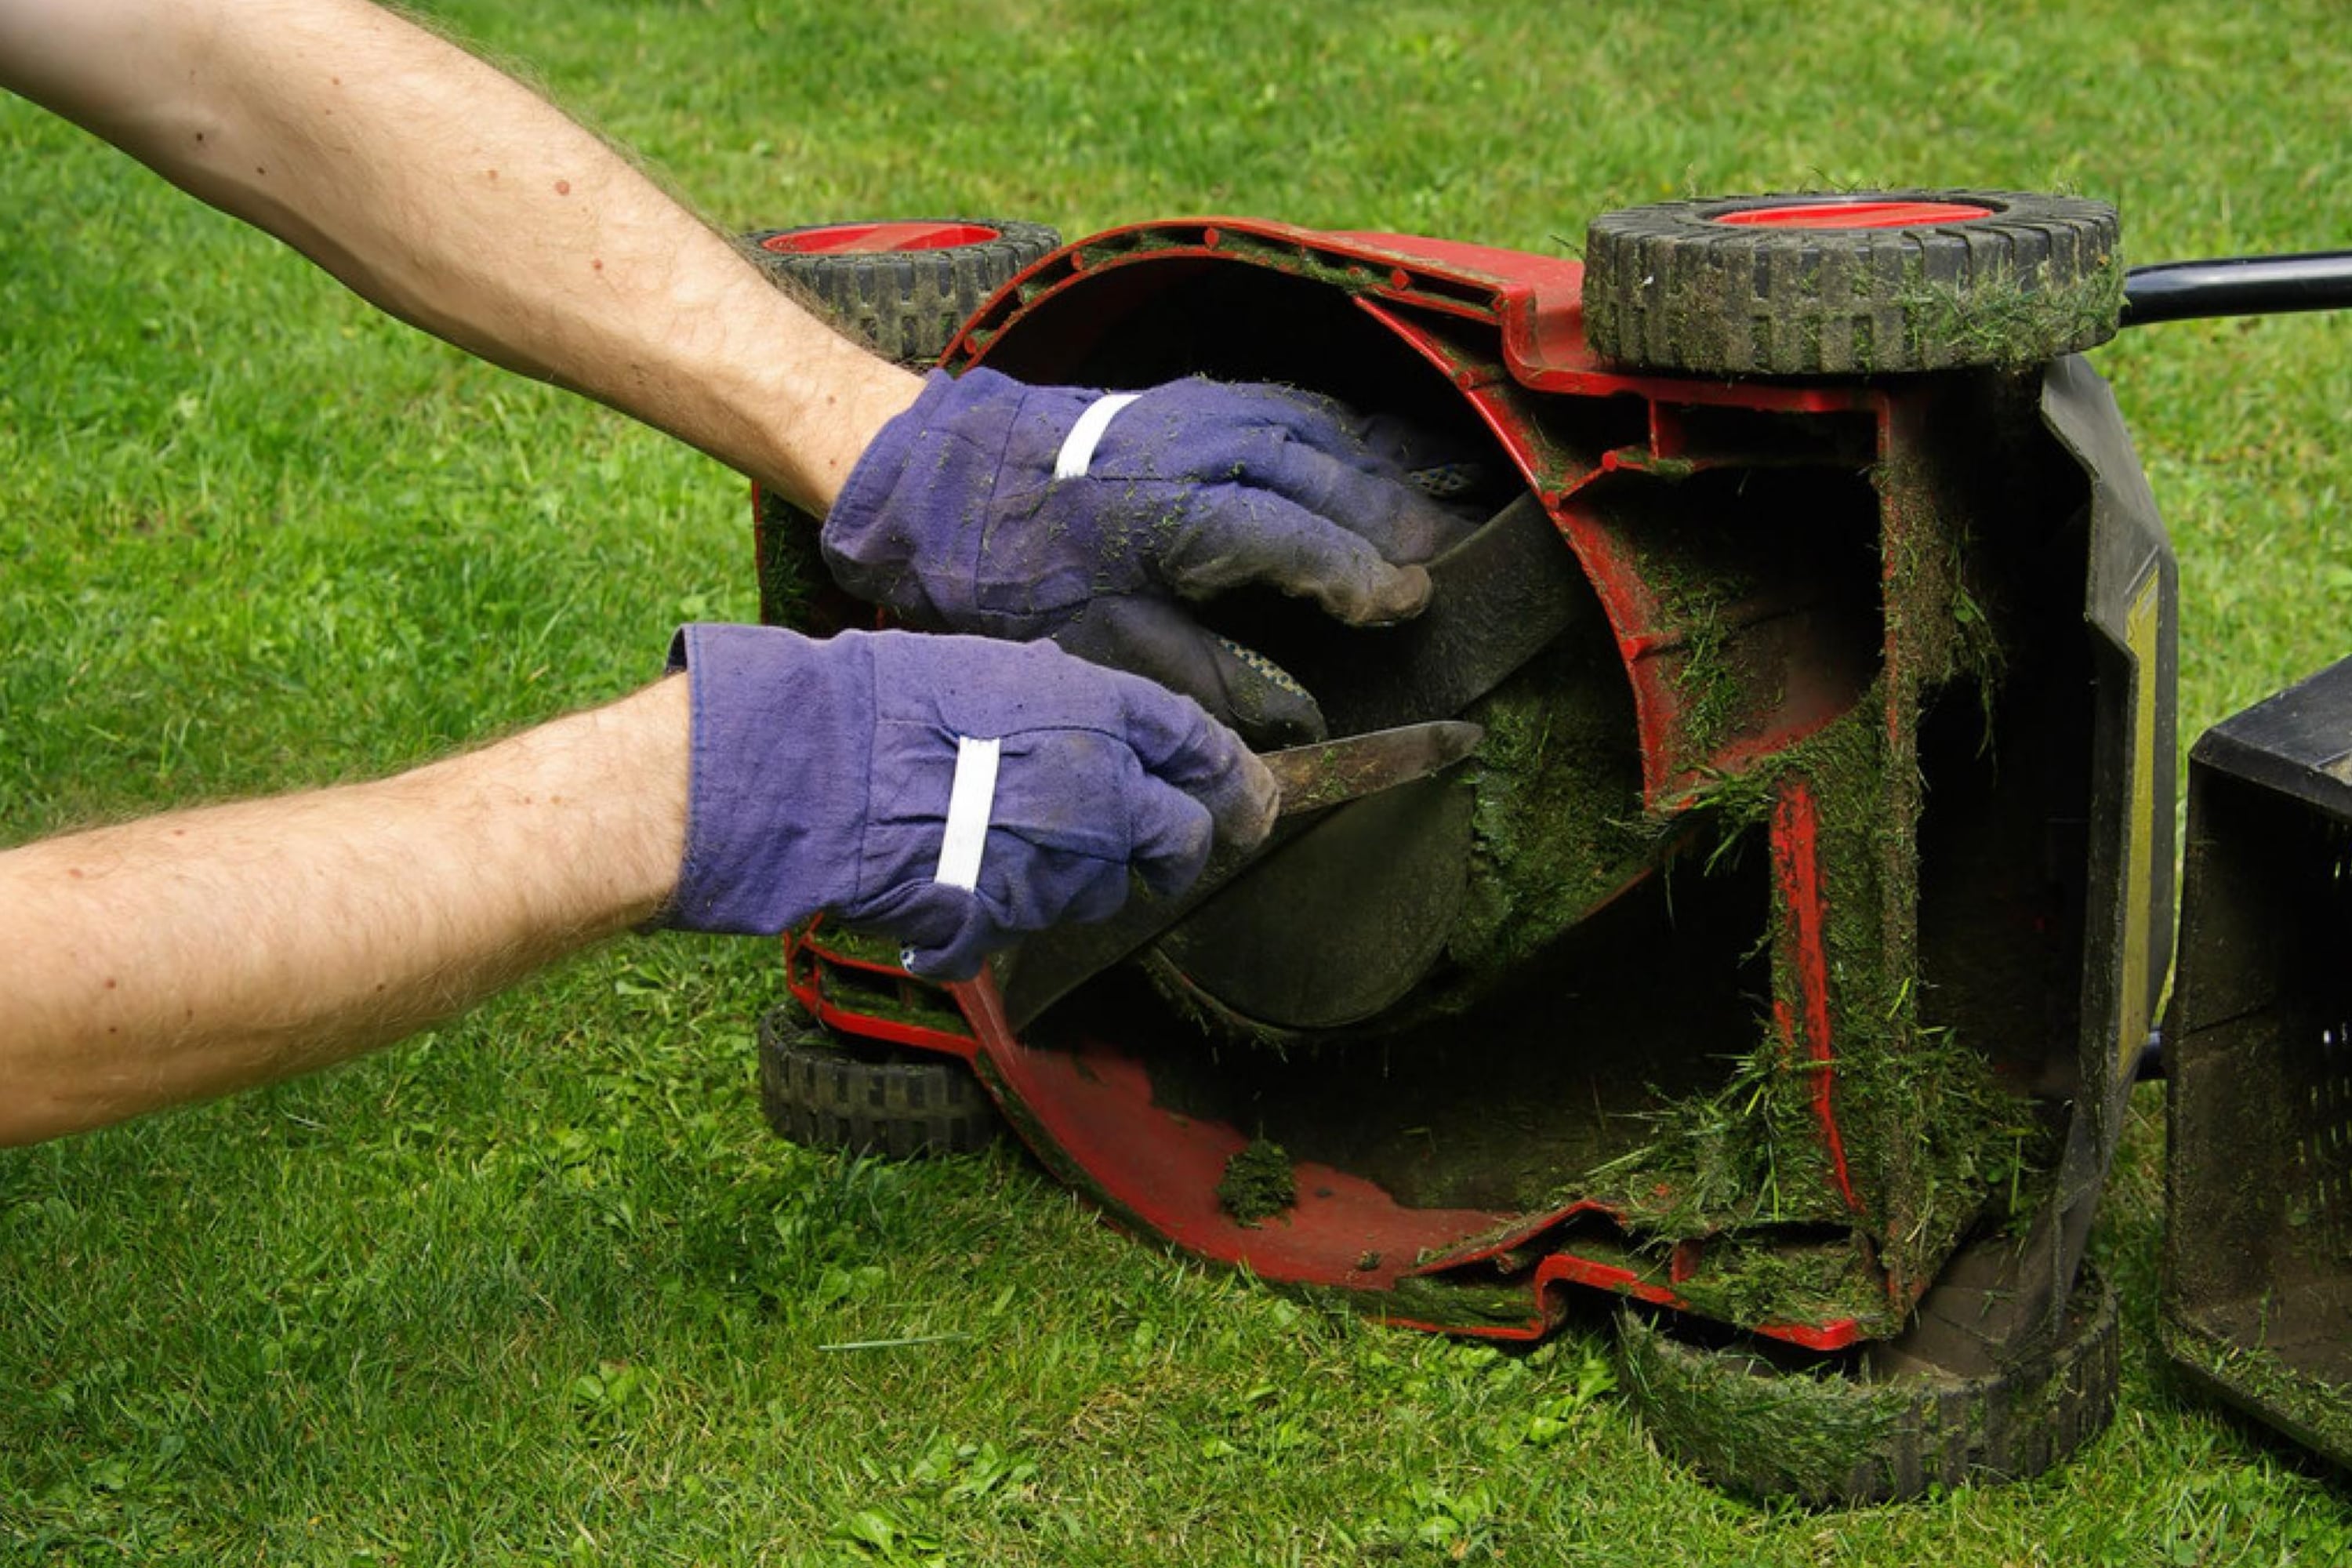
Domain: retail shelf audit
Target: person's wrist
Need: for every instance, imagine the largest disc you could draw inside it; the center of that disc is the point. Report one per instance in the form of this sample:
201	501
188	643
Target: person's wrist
877	394
654	743
881	459
812	414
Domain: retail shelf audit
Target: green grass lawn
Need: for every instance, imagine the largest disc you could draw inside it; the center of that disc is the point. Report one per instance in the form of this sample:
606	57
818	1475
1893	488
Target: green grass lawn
539	1286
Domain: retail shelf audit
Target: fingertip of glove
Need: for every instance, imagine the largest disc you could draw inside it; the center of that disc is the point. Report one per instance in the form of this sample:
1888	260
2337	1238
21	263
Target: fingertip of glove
946	965
1242	797
1165	875
1398	595
1262	798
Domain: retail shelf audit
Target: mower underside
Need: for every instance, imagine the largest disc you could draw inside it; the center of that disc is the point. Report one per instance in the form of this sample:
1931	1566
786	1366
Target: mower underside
1798	921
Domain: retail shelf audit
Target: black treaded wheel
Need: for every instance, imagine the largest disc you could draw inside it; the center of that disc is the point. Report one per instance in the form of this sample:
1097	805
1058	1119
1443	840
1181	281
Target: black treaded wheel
825	1092
1751	1419
904	288
1852	282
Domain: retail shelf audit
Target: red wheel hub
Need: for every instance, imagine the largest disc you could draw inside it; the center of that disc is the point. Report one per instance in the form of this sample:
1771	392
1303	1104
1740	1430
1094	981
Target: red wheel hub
860	238
1856	214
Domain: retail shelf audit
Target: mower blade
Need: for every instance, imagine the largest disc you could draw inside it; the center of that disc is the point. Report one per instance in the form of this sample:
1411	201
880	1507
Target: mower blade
1496	600
1329	771
1050	965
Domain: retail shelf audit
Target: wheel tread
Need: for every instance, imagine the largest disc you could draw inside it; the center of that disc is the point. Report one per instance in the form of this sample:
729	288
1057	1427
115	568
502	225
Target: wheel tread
908	305
1948	1431
1668	289
814	1092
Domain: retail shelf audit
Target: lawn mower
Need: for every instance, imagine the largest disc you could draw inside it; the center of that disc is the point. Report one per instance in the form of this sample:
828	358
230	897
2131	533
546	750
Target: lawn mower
1779	963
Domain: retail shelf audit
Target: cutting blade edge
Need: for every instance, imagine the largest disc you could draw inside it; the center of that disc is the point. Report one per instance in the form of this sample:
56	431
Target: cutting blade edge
1331	772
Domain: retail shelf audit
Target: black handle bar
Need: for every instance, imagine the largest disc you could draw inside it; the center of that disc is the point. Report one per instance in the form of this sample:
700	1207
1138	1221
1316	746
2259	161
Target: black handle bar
2238	286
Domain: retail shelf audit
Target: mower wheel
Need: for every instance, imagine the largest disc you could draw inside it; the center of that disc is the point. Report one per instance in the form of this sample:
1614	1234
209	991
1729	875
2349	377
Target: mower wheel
1750	1418
904	289
1852	283
823	1092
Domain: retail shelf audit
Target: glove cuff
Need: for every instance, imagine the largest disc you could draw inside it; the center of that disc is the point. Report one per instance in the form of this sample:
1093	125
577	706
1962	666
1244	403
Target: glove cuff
873	543
937	521
777	787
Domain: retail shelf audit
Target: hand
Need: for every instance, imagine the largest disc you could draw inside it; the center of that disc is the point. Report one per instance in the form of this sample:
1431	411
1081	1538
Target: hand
823	773
1021	511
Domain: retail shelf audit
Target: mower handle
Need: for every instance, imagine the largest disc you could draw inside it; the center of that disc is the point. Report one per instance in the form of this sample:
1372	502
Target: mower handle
2238	286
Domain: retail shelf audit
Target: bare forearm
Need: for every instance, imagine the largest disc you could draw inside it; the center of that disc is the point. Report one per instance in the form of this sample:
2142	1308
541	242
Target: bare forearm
192	954
455	198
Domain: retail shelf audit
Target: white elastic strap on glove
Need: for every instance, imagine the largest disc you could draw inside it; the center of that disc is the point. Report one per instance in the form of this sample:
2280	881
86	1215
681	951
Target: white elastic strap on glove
970	798
1078	446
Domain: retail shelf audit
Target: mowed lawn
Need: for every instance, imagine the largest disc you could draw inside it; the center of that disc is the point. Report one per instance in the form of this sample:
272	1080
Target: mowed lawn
539	1286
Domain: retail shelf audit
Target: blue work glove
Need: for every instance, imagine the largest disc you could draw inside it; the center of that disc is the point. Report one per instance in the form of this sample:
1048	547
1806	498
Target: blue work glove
823	774
1029	511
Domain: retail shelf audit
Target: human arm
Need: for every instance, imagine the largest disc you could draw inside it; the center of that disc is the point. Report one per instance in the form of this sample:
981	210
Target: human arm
209	950
458	199
195	953
453	197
